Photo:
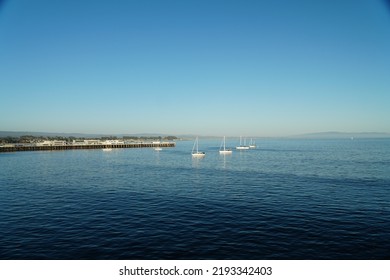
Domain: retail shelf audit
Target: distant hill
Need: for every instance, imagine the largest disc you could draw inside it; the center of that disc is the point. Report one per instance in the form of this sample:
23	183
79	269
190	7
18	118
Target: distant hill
340	135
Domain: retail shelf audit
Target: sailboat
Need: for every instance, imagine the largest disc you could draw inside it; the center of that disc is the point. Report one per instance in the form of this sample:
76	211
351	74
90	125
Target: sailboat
242	147
222	148
252	144
195	150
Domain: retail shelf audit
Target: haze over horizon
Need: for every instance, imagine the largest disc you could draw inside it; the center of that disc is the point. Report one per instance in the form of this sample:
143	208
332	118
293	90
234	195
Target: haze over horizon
259	68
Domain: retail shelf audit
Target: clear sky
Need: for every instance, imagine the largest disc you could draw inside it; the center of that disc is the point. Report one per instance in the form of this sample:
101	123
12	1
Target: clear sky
213	67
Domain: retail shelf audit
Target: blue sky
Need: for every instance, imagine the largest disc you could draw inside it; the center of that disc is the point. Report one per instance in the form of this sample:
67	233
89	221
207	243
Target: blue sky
253	67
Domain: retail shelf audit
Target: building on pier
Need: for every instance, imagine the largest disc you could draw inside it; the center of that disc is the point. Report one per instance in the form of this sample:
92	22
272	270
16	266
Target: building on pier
51	143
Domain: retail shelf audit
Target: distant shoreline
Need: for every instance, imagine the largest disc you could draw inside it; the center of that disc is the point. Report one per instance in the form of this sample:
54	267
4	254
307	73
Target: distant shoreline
317	135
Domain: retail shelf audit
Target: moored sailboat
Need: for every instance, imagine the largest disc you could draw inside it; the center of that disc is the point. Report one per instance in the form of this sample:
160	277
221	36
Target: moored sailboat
222	148
252	144
195	150
242	147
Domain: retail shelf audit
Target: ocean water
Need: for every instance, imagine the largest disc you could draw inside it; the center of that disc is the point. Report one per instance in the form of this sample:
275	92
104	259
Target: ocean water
287	199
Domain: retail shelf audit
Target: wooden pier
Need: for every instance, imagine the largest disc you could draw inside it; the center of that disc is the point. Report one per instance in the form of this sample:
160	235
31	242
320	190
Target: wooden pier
21	148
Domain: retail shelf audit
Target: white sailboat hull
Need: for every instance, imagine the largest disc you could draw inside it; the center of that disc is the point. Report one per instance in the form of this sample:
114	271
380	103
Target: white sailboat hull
242	148
198	155
226	152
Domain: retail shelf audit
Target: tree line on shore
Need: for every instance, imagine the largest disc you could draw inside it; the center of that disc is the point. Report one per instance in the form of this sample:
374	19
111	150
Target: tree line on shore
37	139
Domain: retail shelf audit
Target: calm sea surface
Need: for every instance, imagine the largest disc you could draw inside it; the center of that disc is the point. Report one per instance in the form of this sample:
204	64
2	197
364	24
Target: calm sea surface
287	199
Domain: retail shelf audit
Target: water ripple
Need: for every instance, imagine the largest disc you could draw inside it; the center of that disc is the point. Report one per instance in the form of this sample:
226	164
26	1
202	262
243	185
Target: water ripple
290	200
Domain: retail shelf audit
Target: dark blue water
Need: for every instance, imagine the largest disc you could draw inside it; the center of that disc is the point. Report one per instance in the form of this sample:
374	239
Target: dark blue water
288	199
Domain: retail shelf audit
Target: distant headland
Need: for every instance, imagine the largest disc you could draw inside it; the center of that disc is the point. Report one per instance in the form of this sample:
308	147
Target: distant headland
341	135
